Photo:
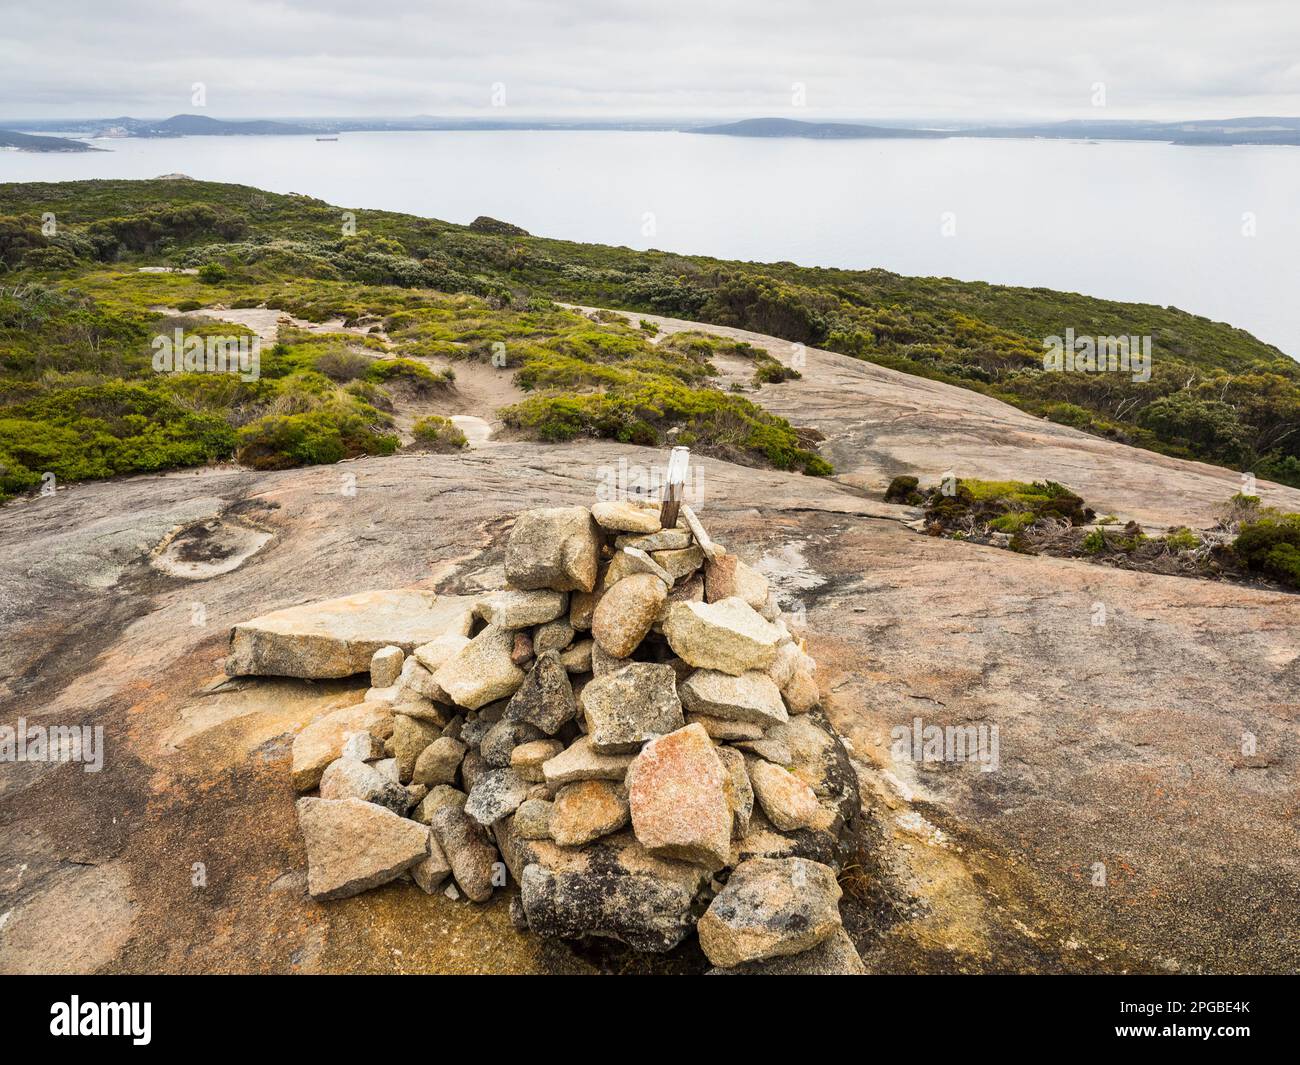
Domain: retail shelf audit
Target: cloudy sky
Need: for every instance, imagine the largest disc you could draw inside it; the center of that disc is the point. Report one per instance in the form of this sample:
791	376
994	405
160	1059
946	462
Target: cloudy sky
994	59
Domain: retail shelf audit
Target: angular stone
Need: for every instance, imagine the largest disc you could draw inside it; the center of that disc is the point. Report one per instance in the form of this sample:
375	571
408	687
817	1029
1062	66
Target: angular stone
416	685
554	547
721	731
727	636
710	549
434	654
386	666
625	613
511	609
521	654
339	637
624	516
648	914
587	810
502	739
471	857
787	801
740	792
410	737
783	664
581	607
478	725
350	778
387	768
415	794
635	704
533	819
553	636
497	795
677	792
800	692
362	746
577	659
439	762
602	662
725	577
680	563
833	956
528	758
612	887
751	696
319	743
813	752
545	698
581	762
663	540
440	795
353	845
481	672
771	907
430	873
633	560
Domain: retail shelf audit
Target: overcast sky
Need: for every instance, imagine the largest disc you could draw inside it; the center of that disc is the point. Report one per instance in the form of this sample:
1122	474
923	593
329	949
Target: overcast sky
670	58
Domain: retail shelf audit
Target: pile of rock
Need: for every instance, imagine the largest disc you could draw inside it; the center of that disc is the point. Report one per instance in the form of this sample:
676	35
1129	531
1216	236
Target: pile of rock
629	731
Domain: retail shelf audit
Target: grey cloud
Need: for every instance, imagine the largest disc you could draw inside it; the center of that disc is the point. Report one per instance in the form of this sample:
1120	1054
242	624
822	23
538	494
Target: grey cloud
886	59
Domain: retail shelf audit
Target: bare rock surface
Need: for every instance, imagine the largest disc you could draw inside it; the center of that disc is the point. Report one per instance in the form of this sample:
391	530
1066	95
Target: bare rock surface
1120	744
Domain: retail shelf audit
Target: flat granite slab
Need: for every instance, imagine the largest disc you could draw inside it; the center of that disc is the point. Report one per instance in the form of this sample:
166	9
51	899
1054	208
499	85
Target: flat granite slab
338	637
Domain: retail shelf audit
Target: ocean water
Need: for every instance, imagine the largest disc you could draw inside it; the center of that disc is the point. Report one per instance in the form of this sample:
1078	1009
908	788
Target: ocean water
1211	230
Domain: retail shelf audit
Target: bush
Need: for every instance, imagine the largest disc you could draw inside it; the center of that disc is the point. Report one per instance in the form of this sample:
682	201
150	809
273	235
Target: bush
341	364
904	490
436	433
1271	545
414	375
212	273
323	436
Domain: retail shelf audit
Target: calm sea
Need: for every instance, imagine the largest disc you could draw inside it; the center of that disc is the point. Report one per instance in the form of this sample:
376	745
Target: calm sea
1214	230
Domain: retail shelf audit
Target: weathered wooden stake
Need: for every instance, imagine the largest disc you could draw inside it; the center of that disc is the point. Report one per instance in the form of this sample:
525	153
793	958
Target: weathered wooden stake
675	488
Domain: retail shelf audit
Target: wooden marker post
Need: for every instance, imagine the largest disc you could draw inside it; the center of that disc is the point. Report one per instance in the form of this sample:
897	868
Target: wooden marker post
678	462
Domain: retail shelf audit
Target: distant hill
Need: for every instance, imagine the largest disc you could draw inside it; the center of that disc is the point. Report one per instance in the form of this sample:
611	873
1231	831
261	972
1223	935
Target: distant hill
1284	131
202	126
787	127
29	143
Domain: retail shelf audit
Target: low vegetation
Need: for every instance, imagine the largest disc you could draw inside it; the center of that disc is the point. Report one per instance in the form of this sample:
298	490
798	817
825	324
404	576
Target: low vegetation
1247	542
75	314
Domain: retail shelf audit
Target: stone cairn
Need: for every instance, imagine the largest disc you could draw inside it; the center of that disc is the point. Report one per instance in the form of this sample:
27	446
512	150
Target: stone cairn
629	730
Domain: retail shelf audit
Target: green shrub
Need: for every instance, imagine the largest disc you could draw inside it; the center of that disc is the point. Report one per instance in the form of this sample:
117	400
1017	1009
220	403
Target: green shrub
904	490
341	364
414	375
1271	545
322	436
436	433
